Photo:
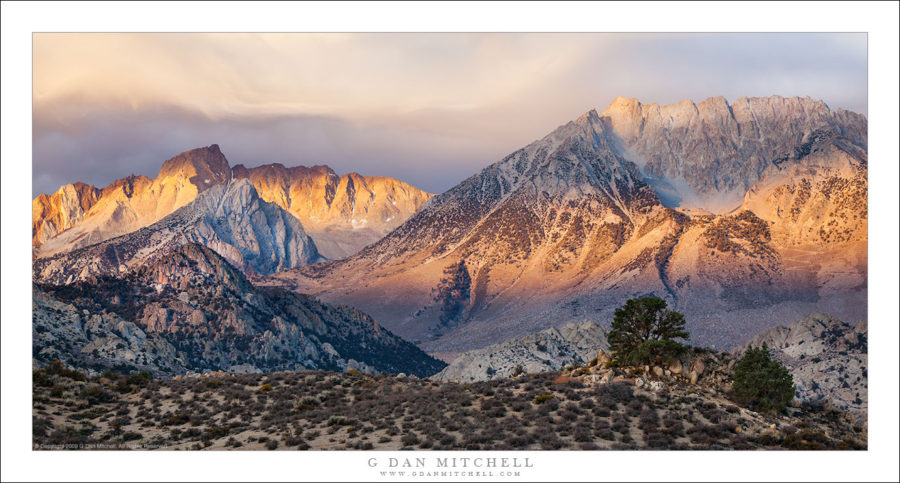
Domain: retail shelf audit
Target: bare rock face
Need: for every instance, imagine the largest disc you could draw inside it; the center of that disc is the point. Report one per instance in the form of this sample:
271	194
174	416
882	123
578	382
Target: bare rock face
827	357
342	214
544	351
231	219
712	152
191	311
60	211
84	339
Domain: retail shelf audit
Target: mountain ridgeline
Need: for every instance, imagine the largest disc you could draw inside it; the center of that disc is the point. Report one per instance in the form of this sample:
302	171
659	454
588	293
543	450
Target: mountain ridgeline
571	225
256	236
341	213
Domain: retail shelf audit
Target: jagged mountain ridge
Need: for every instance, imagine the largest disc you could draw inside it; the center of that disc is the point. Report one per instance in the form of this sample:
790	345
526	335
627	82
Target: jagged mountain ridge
709	154
827	357
56	213
567	229
137	201
548	350
341	213
191	311
230	218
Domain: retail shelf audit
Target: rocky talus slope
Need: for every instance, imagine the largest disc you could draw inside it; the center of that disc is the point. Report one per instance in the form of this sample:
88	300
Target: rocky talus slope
827	357
547	350
568	227
190	310
230	218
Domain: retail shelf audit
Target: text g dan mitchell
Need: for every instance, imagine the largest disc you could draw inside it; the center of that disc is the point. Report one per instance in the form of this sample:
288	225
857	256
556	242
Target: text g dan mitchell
451	462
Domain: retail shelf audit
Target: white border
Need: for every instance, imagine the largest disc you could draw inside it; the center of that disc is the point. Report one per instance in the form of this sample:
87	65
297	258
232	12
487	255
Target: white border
19	20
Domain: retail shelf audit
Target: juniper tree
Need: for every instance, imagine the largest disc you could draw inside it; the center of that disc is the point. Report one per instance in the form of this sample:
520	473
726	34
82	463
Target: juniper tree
643	332
761	382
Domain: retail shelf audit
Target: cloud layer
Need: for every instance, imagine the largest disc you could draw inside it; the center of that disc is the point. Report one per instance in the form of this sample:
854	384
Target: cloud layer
429	109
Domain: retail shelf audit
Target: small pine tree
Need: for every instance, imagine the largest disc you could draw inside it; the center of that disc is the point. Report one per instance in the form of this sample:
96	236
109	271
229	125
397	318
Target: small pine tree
643	330
761	382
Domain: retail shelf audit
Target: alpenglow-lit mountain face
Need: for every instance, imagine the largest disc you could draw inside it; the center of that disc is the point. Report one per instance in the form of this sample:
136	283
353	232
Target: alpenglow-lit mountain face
341	213
132	202
569	227
230	218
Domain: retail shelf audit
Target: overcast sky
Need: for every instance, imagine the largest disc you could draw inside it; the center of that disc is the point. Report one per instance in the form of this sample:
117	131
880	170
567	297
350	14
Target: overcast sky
429	109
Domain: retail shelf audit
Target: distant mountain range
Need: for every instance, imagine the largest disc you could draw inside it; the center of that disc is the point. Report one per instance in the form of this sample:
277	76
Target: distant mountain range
342	214
743	216
570	226
253	235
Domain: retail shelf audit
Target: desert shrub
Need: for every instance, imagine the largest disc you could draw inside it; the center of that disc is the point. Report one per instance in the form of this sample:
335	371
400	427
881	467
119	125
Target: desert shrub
769	439
141	378
56	367
761	382
40	426
648	419
633	408
410	439
265	387
131	436
550	441
643	332
94	394
806	440
582	435
656	439
542	398
40	378
175	419
448	440
272	444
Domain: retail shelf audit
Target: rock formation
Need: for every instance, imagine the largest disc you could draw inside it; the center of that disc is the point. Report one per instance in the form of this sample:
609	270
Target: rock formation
190	310
548	350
